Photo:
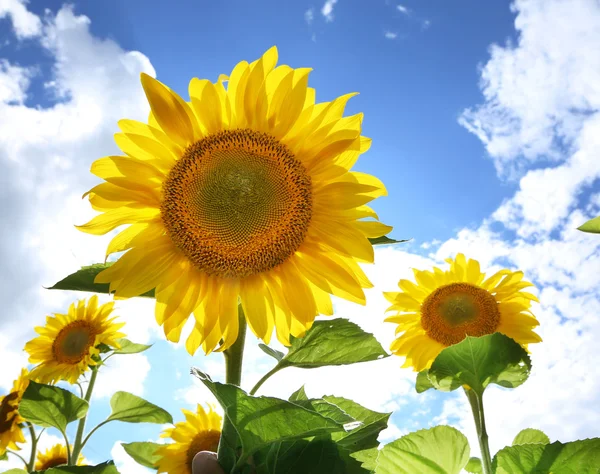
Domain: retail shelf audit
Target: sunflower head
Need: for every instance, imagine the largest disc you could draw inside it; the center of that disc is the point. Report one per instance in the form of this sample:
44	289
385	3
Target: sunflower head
244	193
10	431
443	307
200	431
68	344
54	456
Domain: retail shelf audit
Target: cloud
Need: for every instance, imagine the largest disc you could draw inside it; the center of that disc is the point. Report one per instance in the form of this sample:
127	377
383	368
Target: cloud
309	15
403	9
123	372
14	81
25	24
390	35
327	10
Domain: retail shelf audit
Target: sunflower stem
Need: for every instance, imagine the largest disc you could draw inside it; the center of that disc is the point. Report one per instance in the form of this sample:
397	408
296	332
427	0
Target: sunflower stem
34	441
476	402
81	426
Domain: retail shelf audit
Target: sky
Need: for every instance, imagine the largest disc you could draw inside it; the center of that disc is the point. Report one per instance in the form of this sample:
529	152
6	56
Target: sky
486	131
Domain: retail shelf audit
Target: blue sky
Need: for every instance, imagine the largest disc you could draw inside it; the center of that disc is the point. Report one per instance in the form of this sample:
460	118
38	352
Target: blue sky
484	149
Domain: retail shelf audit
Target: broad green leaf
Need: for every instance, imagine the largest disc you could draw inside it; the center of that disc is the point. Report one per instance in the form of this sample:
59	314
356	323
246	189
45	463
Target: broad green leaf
592	226
143	453
479	361
277	355
531	436
474	466
83	280
261	421
133	409
298	395
439	450
578	457
107	467
367	458
332	342
326	409
128	347
15	471
423	383
384	240
51	407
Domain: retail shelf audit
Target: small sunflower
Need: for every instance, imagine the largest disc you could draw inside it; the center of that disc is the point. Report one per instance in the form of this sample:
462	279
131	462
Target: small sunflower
200	431
67	344
245	194
54	456
10	431
444	307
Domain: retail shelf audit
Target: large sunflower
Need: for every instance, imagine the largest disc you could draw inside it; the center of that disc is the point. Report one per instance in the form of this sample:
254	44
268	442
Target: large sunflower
67	344
10	431
444	307
200	431
54	456
243	194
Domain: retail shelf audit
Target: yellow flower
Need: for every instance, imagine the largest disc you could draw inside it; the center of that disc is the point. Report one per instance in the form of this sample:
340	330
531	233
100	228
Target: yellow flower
444	307
200	431
243	194
66	346
55	456
10	432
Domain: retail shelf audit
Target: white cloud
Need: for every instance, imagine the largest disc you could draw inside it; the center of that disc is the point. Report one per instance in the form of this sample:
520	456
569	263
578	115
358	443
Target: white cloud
390	35
327	10
25	23
122	372
309	15
14	81
403	9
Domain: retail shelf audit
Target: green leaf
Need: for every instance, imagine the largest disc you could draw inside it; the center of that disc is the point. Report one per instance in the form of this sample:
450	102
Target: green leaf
15	471
332	342
83	280
133	409
384	240
128	347
474	466
143	453
423	383
592	226
326	409
278	355
367	458
439	450
3	456
51	407
578	457
298	395
479	361
261	421
531	436
107	467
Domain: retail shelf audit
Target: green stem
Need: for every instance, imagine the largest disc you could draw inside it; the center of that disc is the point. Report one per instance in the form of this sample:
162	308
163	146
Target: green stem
69	454
77	447
234	356
20	457
265	377
34	441
476	402
92	432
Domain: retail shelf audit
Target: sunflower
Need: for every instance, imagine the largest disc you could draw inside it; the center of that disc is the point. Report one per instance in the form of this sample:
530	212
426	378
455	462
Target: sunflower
200	431
55	456
244	194
68	344
444	307
10	431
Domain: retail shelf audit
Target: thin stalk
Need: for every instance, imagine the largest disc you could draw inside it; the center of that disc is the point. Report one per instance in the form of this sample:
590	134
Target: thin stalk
265	377
476	403
20	457
34	441
81	426
69	457
92	432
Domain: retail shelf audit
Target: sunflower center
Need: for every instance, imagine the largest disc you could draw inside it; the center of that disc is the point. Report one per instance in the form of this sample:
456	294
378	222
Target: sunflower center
203	441
72	343
56	461
8	411
455	311
237	203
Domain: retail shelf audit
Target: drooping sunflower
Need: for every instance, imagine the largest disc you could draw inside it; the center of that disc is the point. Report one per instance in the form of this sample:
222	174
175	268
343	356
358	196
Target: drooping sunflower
444	307
10	431
67	344
200	431
246	194
54	456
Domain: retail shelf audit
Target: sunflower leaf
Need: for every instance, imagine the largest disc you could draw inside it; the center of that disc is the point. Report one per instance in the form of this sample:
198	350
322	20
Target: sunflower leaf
298	395
581	457
3	456
143	453
384	240
51	407
277	355
474	466
262	421
423	383
133	409
15	470
531	436
128	347
592	226
107	467
83	280
332	342
439	450
479	361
